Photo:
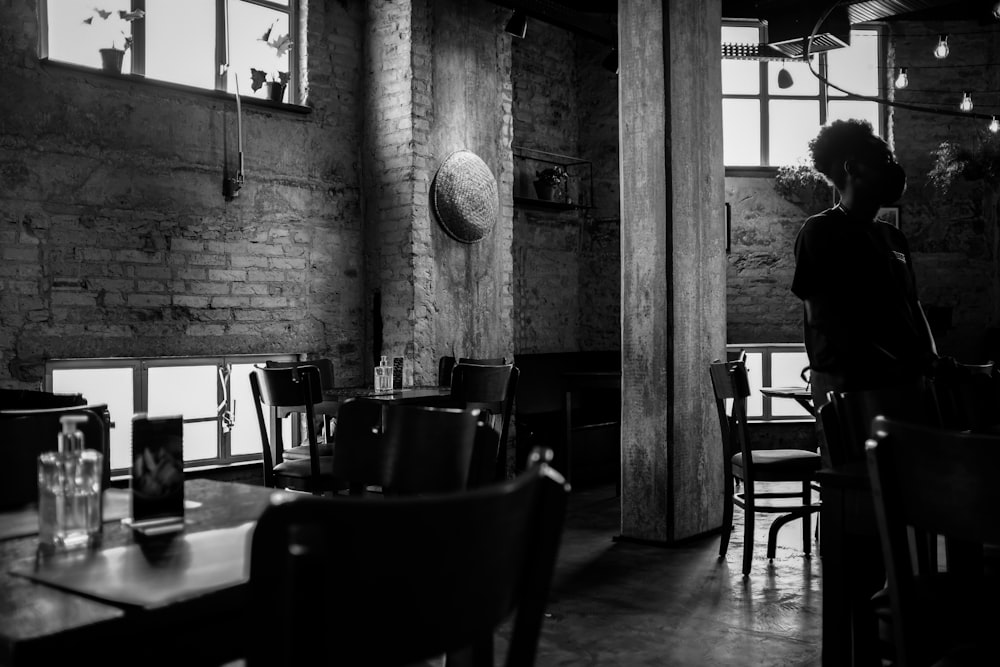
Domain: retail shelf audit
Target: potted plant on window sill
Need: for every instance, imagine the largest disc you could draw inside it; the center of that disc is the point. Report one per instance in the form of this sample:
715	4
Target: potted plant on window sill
115	23
275	81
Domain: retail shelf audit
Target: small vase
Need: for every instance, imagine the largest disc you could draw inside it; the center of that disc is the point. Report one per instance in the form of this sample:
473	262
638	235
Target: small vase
545	191
275	91
111	60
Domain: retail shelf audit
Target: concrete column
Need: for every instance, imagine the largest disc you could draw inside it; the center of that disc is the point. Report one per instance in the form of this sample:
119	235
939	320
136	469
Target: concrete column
673	266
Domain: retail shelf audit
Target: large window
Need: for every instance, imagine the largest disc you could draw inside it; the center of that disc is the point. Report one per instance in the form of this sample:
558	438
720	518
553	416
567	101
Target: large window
771	109
180	41
212	394
773	365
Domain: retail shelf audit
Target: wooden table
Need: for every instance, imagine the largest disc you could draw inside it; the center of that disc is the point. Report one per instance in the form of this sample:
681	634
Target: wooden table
852	566
801	395
41	625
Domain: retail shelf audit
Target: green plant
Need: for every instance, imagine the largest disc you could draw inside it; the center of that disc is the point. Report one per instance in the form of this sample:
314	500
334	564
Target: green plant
791	181
116	22
554	176
280	44
978	161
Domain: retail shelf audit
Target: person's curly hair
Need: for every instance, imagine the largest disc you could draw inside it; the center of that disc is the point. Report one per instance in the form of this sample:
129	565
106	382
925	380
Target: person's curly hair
837	142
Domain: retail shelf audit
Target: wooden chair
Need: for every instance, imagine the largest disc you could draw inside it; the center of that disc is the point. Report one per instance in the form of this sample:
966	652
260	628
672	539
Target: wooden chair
326	380
969	398
447	364
403	448
742	462
398	580
294	387
490	388
24	434
937	482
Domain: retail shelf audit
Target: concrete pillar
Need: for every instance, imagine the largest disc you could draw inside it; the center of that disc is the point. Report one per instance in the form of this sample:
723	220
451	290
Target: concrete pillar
673	266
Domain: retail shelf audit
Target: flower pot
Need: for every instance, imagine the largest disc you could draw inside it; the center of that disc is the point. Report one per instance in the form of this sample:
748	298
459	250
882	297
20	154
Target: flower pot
275	91
544	191
111	60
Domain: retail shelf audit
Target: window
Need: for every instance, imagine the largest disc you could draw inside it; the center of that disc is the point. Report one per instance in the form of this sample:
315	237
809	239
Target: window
180	41
773	365
211	393
765	124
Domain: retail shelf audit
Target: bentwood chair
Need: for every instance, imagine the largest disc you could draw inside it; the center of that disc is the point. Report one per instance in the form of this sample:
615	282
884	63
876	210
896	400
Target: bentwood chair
750	466
402	448
24	434
363	581
294	387
447	364
937	482
326	380
490	388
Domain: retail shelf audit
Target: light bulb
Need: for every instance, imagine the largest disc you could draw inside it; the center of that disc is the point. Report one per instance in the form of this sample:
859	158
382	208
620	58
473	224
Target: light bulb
996	11
994	125
902	81
942	50
966	104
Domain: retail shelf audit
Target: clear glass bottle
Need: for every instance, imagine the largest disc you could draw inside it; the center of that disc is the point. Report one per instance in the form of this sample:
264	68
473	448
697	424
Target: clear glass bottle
383	376
69	491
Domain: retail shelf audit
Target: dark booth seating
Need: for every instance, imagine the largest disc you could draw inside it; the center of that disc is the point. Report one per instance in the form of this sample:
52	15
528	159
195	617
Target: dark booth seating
539	414
29	399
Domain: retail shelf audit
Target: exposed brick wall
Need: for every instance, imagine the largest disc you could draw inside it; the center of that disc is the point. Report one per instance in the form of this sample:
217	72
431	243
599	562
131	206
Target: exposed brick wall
116	239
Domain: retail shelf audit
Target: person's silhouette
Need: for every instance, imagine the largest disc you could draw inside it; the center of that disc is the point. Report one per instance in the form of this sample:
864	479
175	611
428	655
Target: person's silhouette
863	325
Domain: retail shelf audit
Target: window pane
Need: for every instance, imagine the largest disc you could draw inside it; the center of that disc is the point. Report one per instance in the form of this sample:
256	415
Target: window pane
844	109
180	41
804	82
190	391
248	25
201	441
755	370
72	40
791	123
740	77
112	386
741	132
855	68
786	369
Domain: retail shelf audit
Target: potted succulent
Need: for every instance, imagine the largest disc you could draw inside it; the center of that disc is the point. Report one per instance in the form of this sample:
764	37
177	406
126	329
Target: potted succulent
550	182
276	81
115	23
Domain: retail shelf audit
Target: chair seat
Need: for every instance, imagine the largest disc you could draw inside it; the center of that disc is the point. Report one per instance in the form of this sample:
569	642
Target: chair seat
780	464
301	468
302	451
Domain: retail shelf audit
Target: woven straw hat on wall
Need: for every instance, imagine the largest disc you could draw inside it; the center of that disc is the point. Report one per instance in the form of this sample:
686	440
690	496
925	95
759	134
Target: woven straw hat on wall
465	197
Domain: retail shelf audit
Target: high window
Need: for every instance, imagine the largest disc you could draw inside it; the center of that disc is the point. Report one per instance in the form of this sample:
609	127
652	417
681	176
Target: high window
773	365
212	394
180	41
769	125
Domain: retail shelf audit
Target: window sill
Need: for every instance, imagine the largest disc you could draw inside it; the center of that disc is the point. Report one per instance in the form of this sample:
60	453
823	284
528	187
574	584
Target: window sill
178	88
752	172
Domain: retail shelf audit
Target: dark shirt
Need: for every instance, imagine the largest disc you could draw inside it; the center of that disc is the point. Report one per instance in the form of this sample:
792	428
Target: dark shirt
863	325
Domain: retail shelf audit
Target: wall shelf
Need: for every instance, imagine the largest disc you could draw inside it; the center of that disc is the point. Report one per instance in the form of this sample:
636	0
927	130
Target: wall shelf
574	195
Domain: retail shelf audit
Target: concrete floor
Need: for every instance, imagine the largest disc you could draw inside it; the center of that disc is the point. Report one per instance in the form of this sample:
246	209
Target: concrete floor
620	603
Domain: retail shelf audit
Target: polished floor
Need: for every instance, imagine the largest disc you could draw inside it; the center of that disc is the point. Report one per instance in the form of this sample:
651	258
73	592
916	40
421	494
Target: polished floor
622	603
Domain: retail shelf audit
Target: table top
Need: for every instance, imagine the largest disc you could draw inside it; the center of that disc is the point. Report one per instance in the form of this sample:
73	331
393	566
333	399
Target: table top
797	392
39	623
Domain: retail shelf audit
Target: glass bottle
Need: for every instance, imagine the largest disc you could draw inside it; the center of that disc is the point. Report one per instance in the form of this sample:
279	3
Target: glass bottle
383	376
69	491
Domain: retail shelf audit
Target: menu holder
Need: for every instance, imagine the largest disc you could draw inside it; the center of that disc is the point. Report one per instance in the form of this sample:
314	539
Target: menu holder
157	474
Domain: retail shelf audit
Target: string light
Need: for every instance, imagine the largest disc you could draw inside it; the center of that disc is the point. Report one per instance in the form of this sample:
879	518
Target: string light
902	81
966	104
942	50
994	125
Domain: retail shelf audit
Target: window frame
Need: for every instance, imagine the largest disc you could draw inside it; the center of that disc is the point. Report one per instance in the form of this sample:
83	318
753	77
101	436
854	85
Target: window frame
764	97
140	392
766	350
138	50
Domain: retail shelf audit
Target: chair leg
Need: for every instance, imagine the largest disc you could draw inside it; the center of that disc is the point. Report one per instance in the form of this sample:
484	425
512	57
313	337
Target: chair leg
806	532
727	518
748	517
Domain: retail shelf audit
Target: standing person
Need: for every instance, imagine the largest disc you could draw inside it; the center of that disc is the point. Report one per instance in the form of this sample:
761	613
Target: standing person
863	325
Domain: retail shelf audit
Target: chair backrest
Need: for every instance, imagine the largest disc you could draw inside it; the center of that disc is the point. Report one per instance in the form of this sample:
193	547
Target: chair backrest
324	365
491	388
290	387
969	397
24	434
730	381
938	482
404	448
447	364
397	580
855	410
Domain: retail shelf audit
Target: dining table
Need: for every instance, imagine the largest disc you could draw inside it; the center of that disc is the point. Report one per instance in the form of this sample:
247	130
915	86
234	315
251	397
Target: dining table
181	599
800	394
